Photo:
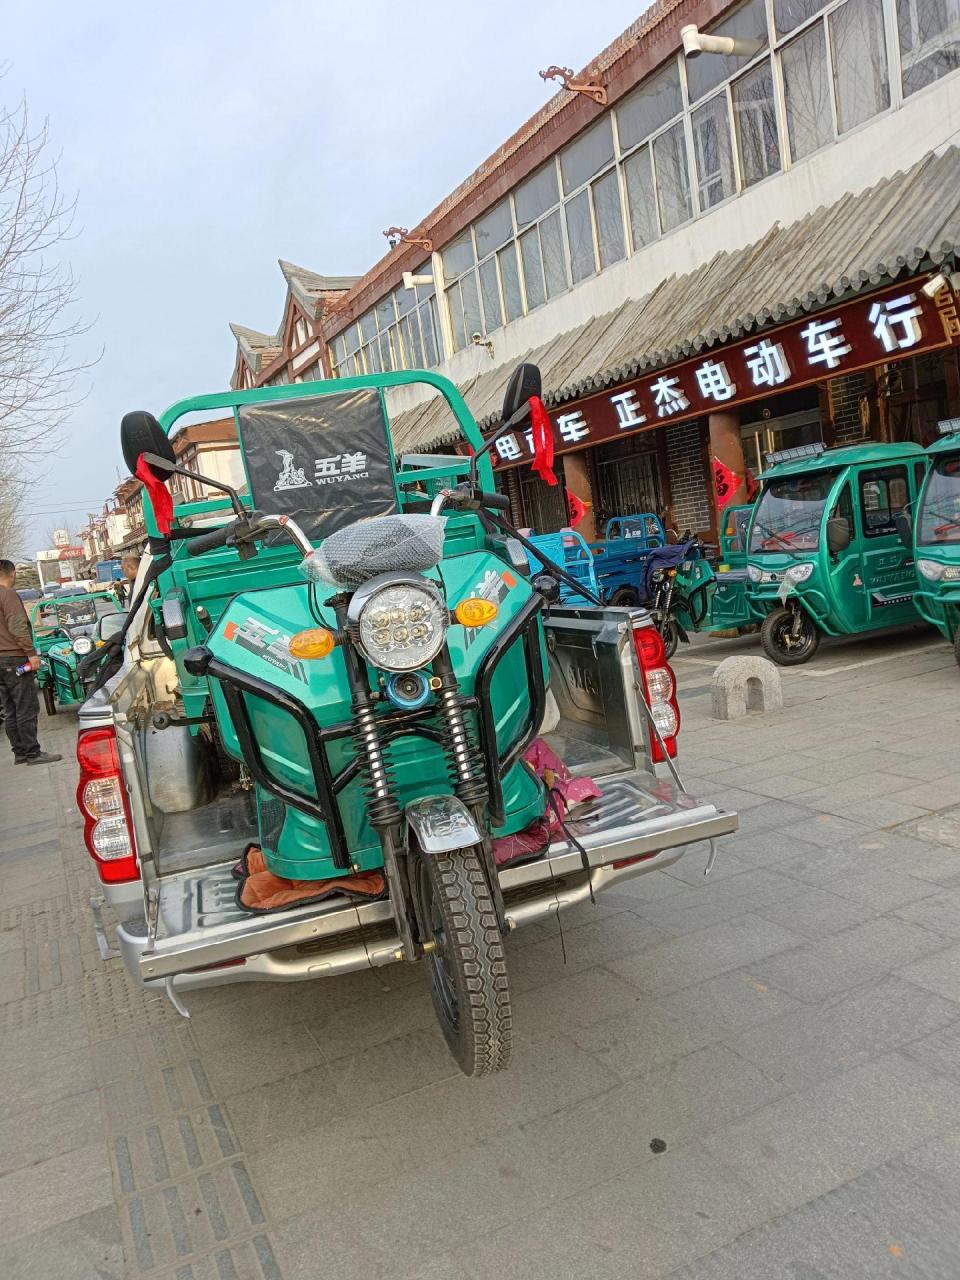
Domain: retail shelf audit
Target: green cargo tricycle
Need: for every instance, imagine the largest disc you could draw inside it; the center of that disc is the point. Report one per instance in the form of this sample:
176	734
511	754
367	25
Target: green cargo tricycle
64	631
825	556
935	538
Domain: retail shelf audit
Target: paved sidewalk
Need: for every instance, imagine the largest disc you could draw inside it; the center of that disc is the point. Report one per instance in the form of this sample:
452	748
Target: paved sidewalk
755	1077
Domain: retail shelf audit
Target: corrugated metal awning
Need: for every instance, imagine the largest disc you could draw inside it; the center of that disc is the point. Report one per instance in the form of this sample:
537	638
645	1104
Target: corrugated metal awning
905	223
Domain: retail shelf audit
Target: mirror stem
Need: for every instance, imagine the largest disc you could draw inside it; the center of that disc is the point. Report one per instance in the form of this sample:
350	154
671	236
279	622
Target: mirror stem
161	464
511	423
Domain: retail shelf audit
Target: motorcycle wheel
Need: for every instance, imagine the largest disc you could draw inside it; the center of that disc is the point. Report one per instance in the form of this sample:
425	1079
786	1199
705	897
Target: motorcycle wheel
625	598
49	700
779	644
671	638
468	966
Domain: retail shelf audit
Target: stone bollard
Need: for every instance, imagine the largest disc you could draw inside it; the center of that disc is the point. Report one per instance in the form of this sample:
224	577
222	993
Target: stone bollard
744	684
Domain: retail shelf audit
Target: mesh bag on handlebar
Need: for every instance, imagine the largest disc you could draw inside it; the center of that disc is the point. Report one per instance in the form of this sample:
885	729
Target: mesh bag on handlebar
362	550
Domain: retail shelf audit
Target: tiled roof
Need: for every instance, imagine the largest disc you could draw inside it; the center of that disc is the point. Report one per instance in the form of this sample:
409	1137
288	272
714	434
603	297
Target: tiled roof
308	287
908	221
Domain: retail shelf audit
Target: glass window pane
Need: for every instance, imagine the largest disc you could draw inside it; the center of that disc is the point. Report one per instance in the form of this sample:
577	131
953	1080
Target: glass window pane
859	62
493	229
711	69
606	208
406	300
428	329
588	155
652	105
386	314
641	198
372	354
352	338
755	117
386	350
510	280
535	196
673	177
580	237
929	32
412	347
806	89
788	14
456	318
554	264
711	147
532	269
471	305
490	295
458	256
368	325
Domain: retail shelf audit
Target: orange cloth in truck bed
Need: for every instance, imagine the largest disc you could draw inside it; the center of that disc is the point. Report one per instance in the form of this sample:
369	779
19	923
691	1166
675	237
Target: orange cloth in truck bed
261	890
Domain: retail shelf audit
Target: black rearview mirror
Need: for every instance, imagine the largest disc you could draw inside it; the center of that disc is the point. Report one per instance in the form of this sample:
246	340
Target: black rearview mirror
904	528
140	432
524	382
838	534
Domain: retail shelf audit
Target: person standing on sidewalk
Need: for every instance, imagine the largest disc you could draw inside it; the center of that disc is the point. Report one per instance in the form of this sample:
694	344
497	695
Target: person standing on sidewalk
21	705
130	565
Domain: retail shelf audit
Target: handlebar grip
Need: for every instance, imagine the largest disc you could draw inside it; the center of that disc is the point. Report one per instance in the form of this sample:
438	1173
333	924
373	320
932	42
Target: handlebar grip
497	501
210	541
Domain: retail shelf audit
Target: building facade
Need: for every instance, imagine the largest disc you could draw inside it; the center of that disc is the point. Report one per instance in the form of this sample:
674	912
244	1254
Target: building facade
710	257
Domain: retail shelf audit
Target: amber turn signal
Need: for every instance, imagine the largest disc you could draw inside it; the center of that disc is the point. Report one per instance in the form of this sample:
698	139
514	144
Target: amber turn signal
316	642
475	612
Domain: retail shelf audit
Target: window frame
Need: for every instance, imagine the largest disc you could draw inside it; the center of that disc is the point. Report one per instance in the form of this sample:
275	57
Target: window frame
886	473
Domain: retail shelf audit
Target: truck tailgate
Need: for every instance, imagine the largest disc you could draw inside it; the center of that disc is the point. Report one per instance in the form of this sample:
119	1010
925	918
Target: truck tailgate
640	823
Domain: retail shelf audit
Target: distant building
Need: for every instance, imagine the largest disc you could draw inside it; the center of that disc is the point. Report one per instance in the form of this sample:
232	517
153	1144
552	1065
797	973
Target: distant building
709	257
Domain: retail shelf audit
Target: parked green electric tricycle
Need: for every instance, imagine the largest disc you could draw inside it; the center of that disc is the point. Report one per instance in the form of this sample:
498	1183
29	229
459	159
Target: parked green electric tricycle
825	555
343	671
64	632
935	539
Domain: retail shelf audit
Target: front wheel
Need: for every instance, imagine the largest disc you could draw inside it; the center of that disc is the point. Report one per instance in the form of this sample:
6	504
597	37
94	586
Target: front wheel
49	700
785	646
467	965
670	634
626	598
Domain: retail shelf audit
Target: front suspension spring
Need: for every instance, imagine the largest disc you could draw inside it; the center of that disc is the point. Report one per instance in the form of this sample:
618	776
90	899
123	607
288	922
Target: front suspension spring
468	779
378	782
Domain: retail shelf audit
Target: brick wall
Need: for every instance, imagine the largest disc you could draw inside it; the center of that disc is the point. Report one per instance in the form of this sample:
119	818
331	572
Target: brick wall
845	395
689	486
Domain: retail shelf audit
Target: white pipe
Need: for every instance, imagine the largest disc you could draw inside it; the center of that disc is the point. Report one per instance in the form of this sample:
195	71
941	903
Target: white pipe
694	43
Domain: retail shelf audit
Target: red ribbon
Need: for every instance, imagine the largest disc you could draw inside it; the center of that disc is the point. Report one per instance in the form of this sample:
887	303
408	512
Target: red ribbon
542	434
159	496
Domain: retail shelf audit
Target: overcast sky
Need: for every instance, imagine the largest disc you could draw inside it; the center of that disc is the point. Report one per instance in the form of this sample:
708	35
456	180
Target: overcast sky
206	140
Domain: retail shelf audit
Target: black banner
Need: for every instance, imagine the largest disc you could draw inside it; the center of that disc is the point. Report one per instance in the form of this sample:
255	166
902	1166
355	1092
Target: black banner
325	461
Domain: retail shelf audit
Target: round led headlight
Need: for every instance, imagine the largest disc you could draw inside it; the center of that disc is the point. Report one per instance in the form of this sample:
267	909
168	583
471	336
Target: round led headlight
932	570
754	572
399	623
82	645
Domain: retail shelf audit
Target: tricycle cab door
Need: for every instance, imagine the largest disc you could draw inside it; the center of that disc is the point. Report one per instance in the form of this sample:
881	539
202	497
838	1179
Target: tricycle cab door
881	493
844	575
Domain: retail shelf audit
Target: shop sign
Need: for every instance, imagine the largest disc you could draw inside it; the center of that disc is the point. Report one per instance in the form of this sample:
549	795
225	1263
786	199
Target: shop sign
892	324
71	553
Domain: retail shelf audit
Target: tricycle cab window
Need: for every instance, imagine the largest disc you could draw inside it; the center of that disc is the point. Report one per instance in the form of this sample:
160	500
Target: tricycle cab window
884	492
790	511
940	513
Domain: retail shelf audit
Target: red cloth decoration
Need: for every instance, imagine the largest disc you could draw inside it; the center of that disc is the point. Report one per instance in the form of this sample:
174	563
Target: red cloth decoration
752	485
542	434
160	498
725	483
576	507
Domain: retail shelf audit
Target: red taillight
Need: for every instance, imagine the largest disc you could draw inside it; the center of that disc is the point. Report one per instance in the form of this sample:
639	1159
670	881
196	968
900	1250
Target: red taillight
102	799
660	688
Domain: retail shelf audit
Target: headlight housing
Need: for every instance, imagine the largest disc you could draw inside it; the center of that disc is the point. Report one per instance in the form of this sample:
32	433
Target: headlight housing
82	645
754	572
399	622
932	570
799	572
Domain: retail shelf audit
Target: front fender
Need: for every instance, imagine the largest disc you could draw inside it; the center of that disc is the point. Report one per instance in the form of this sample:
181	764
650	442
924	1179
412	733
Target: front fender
441	824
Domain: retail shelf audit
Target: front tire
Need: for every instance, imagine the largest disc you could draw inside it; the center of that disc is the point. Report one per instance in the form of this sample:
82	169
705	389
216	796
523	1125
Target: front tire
779	642
670	634
49	700
625	598
468	967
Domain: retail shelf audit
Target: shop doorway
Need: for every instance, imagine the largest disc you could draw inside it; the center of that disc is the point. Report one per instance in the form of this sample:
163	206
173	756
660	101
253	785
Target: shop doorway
544	506
628	479
761	438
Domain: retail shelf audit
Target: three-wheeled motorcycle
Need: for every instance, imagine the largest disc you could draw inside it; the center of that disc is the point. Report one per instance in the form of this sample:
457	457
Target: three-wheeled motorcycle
65	631
934	537
825	555
337	733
